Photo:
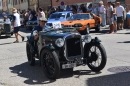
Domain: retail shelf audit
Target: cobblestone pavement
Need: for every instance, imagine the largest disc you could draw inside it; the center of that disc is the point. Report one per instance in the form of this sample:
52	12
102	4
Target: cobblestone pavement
15	70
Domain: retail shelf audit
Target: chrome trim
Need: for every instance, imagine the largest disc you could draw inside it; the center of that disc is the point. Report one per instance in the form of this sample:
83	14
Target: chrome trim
72	58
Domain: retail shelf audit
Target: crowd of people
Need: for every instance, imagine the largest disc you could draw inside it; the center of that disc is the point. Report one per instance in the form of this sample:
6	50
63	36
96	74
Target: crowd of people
112	15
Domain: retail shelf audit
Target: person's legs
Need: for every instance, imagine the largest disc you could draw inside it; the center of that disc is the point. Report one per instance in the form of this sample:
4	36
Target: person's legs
16	34
115	26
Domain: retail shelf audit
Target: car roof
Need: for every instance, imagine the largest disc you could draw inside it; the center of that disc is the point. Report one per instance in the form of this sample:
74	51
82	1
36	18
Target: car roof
64	12
83	13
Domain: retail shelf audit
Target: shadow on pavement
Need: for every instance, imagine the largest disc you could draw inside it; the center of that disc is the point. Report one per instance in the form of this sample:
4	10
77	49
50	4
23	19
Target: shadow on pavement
117	79
124	42
35	75
5	37
6	43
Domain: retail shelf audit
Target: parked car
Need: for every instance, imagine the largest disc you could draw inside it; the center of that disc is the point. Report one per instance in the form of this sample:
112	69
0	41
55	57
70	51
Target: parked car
59	16
86	21
63	48
31	24
5	28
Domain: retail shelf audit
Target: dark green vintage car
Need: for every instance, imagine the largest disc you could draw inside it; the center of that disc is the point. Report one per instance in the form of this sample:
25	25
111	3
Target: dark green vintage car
65	49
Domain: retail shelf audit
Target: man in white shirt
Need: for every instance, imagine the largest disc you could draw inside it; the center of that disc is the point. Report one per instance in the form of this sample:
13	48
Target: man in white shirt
120	14
16	24
102	13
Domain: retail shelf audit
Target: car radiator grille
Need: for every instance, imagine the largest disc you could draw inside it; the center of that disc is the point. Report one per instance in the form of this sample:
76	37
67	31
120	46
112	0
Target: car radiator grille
73	46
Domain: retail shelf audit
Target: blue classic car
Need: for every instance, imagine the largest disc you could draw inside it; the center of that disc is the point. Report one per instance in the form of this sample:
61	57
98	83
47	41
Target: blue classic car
59	17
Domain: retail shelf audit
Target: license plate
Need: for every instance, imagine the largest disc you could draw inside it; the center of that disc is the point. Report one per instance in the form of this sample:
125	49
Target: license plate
65	66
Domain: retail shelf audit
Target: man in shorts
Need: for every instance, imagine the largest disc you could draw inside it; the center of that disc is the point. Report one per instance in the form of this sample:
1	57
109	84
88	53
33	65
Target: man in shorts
16	25
110	17
120	13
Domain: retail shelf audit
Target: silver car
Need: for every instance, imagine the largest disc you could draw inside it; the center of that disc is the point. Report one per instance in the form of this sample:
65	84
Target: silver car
58	16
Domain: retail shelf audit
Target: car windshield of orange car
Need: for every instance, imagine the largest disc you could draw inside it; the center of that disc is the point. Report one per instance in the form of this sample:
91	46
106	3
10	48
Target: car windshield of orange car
79	17
57	15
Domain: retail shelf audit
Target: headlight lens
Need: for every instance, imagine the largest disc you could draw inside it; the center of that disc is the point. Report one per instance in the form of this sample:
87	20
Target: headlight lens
59	42
86	38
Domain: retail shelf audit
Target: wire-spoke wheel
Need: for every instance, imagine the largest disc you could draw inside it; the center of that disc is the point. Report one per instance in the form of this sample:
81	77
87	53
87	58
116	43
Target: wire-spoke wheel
50	64
96	56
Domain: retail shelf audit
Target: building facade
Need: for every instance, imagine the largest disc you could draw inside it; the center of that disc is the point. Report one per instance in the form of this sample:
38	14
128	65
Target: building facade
45	3
10	6
33	4
16	4
23	5
4	4
1	7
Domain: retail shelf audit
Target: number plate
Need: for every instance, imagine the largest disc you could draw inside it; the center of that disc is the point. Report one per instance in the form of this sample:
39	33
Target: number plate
65	66
56	25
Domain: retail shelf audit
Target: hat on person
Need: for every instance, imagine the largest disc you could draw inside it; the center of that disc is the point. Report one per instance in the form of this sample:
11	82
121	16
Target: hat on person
101	2
14	10
43	19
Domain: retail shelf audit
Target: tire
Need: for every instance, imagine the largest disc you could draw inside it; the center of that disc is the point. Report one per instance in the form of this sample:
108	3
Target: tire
97	29
87	30
50	58
94	57
30	55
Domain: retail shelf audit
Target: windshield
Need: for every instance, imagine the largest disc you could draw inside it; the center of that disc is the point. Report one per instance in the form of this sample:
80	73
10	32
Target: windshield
57	15
79	17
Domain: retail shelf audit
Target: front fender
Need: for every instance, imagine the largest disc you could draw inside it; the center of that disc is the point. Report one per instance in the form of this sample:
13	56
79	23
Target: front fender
93	41
96	39
48	46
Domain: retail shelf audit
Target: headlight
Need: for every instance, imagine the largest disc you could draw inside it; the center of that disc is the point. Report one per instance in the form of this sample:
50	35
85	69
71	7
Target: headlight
59	42
86	38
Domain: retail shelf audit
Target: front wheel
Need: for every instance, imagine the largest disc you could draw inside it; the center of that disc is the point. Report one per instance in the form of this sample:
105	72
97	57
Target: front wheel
50	63
96	56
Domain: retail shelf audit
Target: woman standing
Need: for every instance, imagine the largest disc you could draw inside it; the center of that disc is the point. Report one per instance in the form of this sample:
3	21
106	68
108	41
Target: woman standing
114	17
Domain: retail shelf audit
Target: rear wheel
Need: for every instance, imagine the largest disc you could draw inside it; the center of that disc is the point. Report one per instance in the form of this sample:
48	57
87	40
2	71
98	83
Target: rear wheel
96	56
50	64
30	54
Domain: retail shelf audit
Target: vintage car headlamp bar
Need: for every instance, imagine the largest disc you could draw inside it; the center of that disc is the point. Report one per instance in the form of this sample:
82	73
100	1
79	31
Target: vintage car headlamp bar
59	42
86	38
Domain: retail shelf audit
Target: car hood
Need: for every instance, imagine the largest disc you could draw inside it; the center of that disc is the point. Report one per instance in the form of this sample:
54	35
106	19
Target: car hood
55	20
83	22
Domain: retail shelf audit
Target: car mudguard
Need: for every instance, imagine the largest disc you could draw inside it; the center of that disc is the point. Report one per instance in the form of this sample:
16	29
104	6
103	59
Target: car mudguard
48	46
95	40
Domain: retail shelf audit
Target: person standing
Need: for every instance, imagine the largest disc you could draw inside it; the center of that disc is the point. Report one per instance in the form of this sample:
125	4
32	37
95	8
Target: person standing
16	24
102	13
40	14
114	17
120	14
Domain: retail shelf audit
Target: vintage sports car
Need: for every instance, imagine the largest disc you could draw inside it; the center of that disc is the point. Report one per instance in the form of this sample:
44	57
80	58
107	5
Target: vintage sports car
59	17
86	21
5	28
65	49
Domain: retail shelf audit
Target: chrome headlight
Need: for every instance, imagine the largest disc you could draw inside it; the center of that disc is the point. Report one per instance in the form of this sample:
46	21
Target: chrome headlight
86	38
59	42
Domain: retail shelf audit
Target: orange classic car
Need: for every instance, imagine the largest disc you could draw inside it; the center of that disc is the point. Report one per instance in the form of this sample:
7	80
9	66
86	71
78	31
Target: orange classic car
85	22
